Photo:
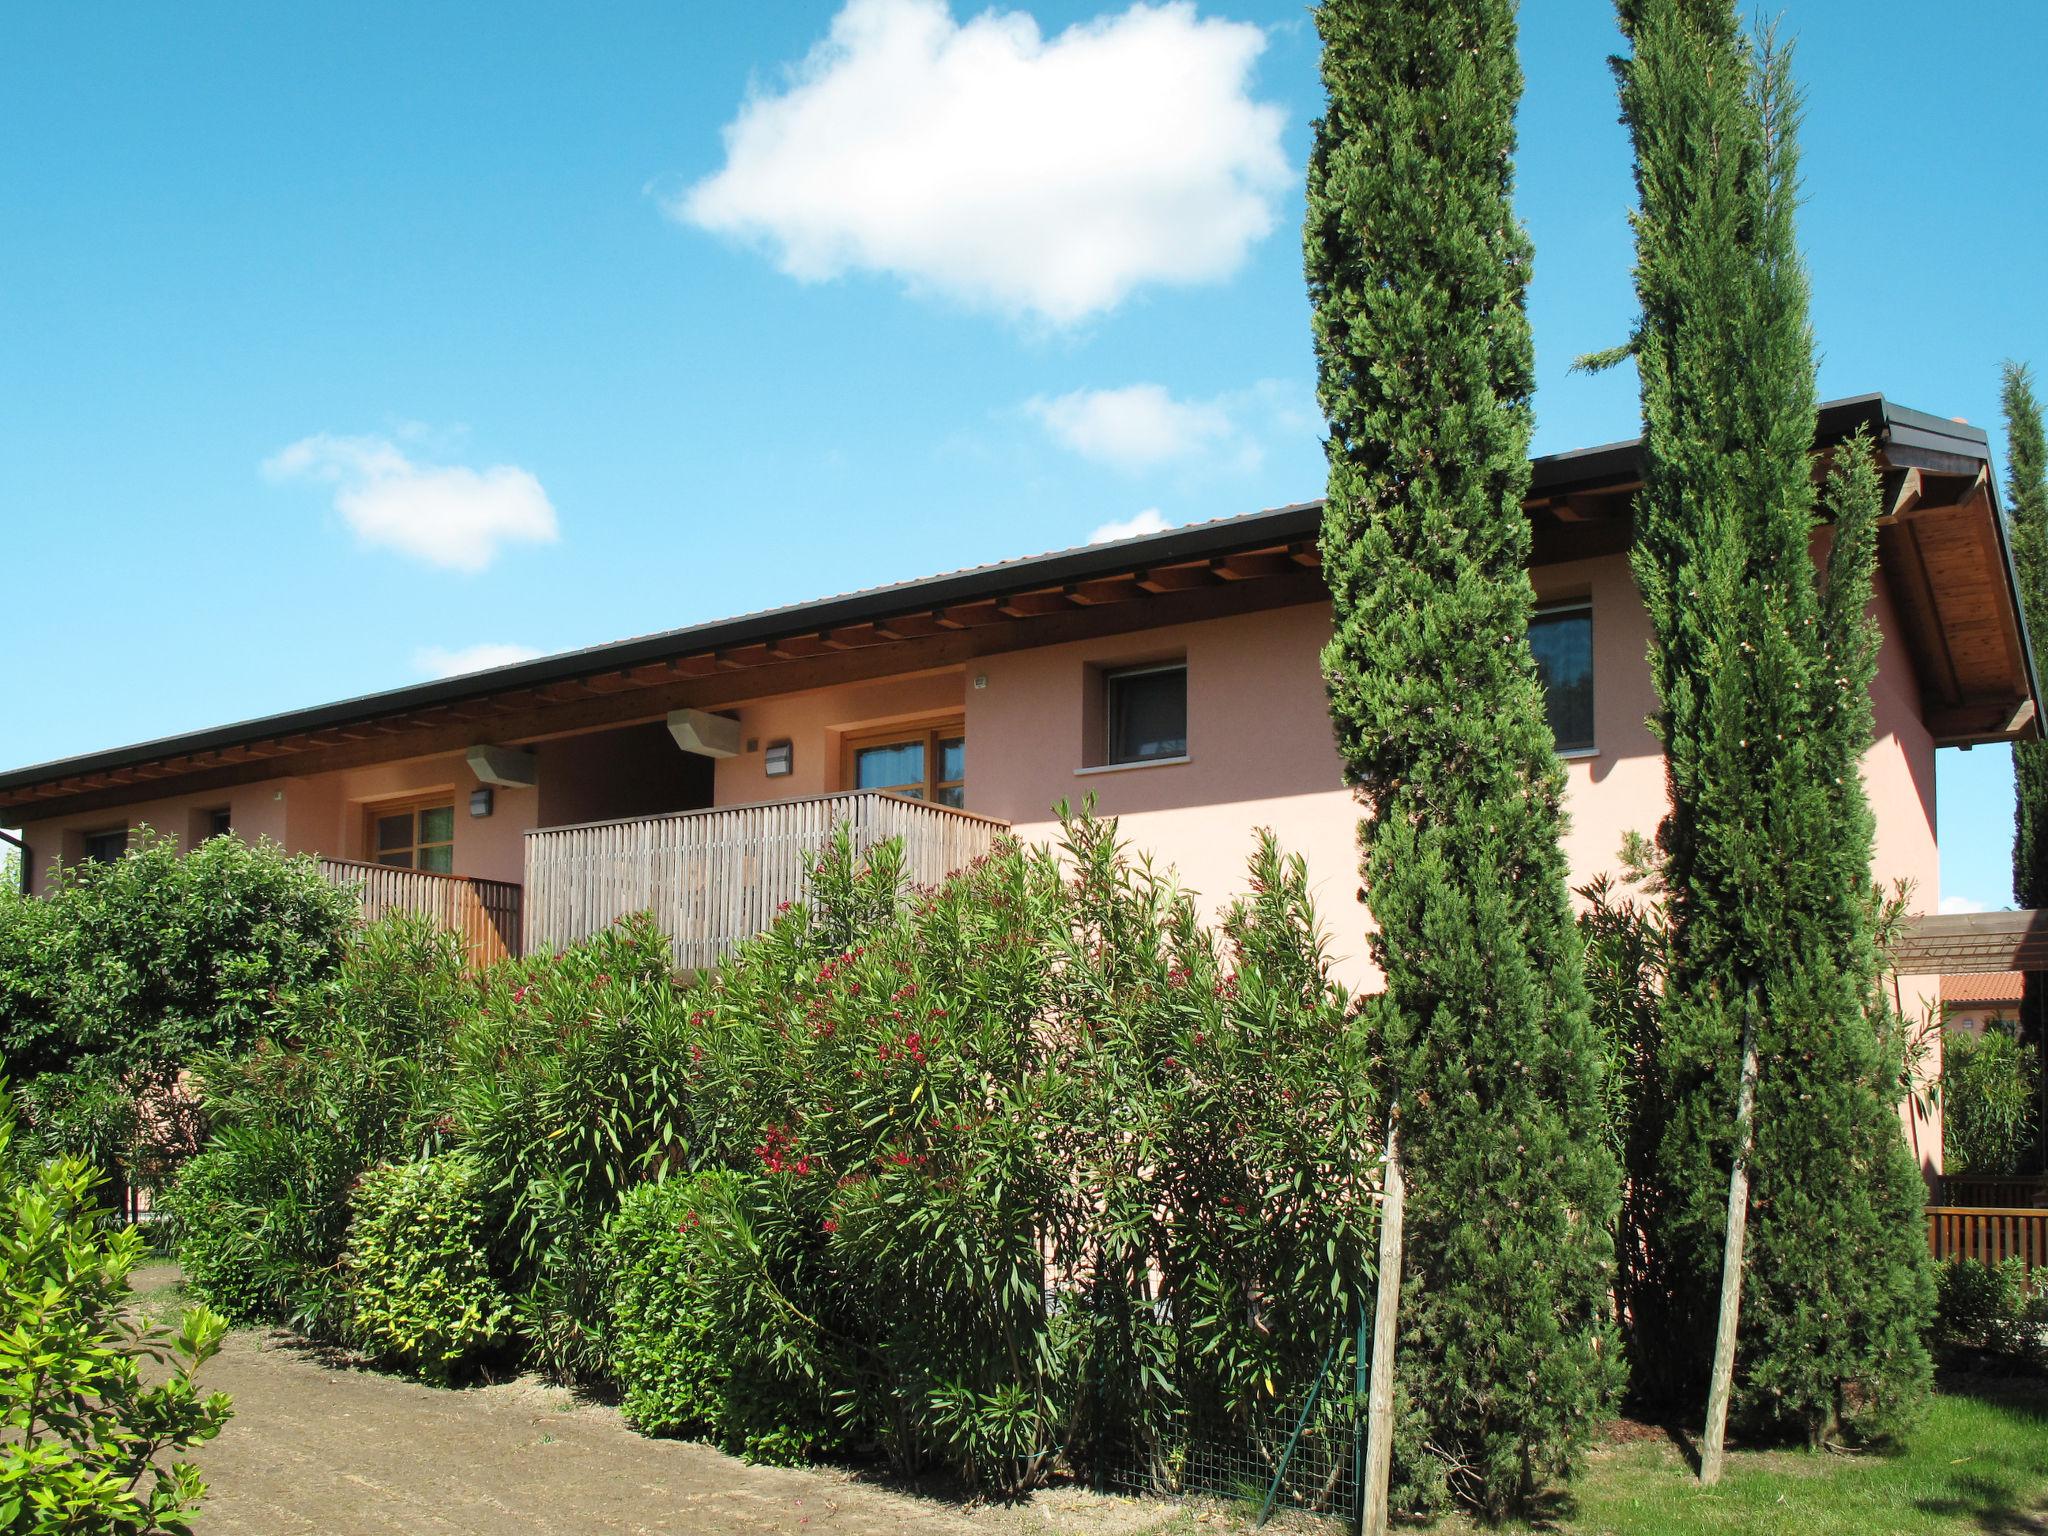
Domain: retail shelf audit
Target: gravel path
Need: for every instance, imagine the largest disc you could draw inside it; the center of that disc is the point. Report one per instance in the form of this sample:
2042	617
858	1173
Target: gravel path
342	1452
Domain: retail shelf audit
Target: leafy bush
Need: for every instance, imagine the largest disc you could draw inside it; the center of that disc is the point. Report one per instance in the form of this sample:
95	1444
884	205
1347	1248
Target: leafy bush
420	1291
1988	1308
356	1075
128	971
680	1371
1033	1160
569	1089
1988	1099
83	1437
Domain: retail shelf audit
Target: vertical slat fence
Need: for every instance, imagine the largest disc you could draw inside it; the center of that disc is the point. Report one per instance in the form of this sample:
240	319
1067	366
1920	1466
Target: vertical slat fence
486	913
1989	1235
2003	1191
715	878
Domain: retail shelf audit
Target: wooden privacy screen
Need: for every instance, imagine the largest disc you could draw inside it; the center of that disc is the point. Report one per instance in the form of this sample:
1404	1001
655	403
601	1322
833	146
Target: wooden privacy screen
486	913
715	878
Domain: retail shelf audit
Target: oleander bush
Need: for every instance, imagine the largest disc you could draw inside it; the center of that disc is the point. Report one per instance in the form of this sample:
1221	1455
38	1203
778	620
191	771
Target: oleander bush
1988	1096
1030	1165
417	1269
1988	1310
356	1073
97	1406
568	1088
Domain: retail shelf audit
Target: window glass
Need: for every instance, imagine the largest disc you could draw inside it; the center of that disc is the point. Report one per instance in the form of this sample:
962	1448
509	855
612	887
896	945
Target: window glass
422	837
394	833
106	847
219	823
1561	640
1148	714
898	765
951	787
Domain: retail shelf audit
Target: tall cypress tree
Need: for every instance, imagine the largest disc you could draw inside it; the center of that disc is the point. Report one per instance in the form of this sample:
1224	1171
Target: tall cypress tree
2026	495
1763	667
1417	269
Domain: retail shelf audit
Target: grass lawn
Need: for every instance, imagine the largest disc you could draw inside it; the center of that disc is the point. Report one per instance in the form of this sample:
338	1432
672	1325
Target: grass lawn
1978	1463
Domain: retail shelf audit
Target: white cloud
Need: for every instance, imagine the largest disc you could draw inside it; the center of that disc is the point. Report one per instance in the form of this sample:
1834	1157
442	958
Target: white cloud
1151	520
986	162
1140	427
1958	906
439	661
448	515
1133	428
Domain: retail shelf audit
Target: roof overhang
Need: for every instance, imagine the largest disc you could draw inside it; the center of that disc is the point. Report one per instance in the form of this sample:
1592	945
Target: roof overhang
1943	548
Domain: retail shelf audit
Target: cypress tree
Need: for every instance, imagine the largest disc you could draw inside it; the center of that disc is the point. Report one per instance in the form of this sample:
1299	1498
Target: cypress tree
2026	495
1417	269
1763	668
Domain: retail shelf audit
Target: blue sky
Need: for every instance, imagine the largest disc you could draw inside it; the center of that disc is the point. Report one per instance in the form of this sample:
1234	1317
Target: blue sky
336	342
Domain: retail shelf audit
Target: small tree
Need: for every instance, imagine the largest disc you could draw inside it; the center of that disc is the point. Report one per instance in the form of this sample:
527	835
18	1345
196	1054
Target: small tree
83	1435
2026	495
1417	269
1782	1159
127	971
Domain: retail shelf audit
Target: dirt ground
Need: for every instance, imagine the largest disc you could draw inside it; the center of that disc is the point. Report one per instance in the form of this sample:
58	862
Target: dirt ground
344	1452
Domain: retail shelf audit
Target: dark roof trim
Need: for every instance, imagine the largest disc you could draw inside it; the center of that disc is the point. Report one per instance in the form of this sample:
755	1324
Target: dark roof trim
1582	469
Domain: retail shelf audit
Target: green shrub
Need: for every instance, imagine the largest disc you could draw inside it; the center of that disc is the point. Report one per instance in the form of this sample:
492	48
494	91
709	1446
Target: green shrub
355	1075
1988	1308
680	1369
569	1087
421	1296
85	1440
127	972
1032	1159
1988	1086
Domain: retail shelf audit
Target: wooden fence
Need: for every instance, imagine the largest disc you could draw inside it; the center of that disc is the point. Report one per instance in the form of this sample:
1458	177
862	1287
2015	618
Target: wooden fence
485	912
2003	1191
715	878
1988	1234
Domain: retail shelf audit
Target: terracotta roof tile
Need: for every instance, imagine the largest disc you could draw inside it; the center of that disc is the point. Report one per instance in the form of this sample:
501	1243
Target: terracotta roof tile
1997	987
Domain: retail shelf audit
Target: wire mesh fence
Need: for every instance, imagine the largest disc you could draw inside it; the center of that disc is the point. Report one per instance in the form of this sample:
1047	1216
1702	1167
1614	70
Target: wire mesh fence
1298	1447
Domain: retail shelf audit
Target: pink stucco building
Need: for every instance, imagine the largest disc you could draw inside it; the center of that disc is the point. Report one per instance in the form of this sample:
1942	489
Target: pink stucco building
1174	677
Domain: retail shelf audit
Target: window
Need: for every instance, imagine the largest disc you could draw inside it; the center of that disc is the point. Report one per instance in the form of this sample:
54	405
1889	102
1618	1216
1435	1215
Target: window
219	823
1561	640
1148	713
414	837
105	847
927	763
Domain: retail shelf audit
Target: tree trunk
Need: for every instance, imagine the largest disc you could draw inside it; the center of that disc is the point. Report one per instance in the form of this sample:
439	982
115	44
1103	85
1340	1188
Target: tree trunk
1731	1260
1379	1457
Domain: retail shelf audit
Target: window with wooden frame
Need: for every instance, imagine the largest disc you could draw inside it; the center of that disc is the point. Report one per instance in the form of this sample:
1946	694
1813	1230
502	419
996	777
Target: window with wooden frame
416	834
924	762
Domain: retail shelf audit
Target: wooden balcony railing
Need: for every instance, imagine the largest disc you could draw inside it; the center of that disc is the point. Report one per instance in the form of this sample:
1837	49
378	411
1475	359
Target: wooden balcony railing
715	878
2008	1191
484	912
1989	1235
